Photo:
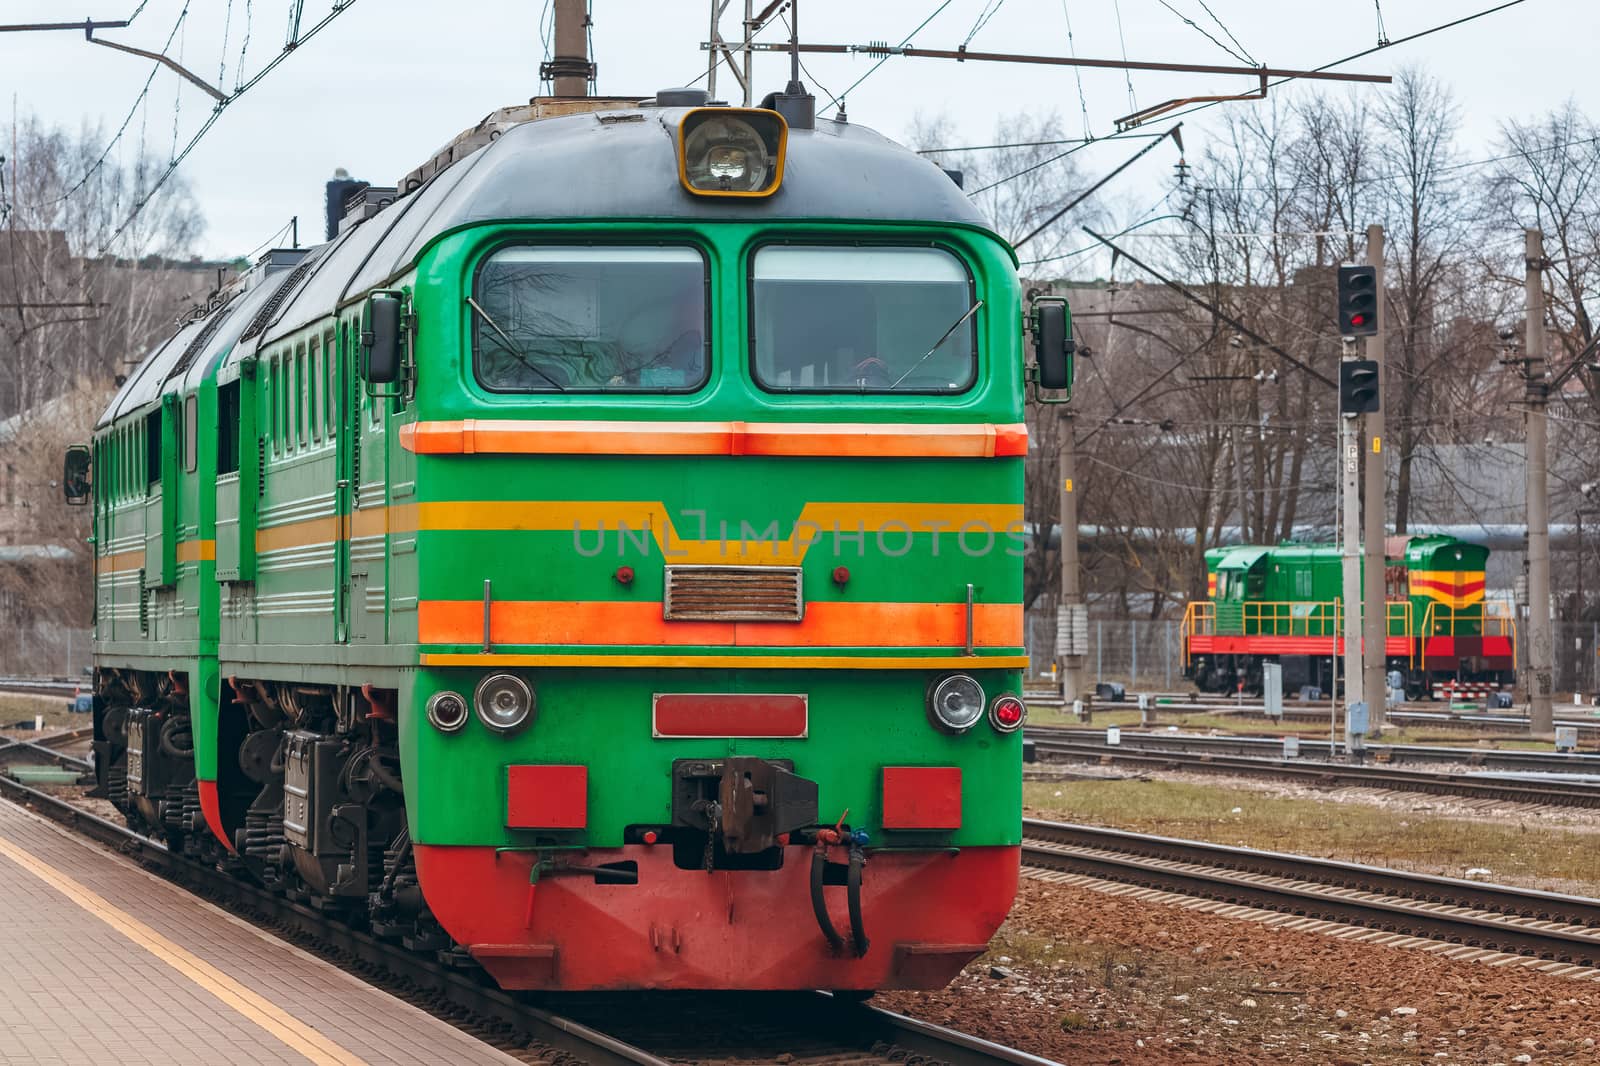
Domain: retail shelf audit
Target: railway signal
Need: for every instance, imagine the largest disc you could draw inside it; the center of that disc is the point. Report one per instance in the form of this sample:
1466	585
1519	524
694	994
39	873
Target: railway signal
1358	386
1358	301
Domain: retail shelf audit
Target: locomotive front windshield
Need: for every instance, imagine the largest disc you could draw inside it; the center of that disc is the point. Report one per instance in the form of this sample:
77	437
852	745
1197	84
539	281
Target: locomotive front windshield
595	319
862	319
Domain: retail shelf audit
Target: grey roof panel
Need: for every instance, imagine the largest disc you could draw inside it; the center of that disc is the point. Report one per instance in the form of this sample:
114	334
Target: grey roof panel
607	164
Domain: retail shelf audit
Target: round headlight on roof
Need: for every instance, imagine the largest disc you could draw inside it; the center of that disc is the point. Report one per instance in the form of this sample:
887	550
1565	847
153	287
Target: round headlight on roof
504	702
956	703
731	152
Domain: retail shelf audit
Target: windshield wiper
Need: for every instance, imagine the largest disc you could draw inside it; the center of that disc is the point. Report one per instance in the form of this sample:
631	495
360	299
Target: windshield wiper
947	333
510	345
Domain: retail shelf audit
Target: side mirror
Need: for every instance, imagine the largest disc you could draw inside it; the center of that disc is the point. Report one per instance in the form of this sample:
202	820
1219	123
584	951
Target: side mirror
381	339
75	475
1053	345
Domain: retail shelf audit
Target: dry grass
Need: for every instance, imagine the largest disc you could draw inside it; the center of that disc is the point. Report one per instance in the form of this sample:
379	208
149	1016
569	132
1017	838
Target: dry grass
17	708
1515	852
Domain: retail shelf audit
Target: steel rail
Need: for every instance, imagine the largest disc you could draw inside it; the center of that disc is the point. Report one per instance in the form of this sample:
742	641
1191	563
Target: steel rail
1440	784
1500	758
45	749
1523	921
852	1025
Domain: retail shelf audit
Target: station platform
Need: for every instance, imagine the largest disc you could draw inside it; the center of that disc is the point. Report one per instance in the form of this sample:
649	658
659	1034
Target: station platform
102	962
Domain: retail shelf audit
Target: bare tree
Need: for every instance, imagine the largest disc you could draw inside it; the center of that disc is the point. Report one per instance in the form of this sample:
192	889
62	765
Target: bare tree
79	306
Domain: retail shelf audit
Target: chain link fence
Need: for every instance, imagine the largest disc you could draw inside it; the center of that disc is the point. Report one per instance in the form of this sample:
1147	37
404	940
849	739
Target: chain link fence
1147	654
46	650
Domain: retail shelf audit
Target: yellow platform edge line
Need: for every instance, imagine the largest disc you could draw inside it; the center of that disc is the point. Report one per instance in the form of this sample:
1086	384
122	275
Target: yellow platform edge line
292	1032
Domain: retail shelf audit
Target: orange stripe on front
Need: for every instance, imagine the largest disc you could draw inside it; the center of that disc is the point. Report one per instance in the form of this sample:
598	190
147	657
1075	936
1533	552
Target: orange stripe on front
530	437
826	624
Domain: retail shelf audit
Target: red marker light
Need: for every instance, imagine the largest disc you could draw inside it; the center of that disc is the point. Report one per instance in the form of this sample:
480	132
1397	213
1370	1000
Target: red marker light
650	836
624	575
841	576
1006	713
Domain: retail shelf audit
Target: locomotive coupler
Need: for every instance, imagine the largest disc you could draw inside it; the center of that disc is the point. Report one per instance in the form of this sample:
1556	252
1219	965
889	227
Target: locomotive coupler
744	804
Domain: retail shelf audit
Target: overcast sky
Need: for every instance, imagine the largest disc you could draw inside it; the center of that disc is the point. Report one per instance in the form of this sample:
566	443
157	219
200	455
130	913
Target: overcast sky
390	81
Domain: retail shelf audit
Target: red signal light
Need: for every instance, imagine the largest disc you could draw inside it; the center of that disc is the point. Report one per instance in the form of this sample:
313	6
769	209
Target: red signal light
1358	320
1006	713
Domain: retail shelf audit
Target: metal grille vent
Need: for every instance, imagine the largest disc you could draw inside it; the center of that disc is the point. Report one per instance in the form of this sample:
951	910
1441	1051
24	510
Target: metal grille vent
203	338
734	594
278	298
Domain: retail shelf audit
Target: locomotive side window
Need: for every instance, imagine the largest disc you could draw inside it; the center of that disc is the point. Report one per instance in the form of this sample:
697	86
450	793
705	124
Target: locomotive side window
597	319
314	388
274	389
862	319
152	448
191	434
228	428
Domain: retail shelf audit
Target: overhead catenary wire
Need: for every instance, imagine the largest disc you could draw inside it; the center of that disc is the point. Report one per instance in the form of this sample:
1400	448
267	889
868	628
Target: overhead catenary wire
1072	50
144	92
1134	136
990	9
148	194
1133	103
839	99
1223	26
1204	32
1452	24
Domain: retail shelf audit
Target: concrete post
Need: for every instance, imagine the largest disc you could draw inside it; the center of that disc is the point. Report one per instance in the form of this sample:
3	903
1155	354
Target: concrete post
1541	647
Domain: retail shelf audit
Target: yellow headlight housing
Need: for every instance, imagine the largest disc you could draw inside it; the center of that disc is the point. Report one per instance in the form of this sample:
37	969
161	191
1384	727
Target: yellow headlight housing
729	151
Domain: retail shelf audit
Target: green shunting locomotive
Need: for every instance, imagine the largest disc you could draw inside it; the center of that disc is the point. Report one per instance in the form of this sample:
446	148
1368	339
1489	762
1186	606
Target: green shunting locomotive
1284	604
602	561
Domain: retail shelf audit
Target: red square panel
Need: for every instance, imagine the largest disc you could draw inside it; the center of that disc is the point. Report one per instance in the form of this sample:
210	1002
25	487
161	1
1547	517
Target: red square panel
922	797
547	797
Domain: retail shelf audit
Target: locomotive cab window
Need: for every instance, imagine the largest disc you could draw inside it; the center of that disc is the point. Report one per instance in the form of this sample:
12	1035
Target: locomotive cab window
862	319
591	319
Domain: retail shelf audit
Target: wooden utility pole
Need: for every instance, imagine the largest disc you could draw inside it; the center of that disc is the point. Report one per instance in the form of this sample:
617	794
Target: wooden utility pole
1374	594
1072	618
569	68
1541	649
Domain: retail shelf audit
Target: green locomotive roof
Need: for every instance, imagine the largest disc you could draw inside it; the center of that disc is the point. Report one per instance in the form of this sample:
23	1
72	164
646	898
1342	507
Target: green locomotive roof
596	165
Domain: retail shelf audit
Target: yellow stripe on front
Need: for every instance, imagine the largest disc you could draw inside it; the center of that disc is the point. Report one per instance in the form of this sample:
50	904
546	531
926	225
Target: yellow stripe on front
771	544
289	1030
764	662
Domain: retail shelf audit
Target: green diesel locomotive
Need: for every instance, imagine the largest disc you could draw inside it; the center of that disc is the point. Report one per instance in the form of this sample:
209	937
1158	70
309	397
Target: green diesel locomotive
602	561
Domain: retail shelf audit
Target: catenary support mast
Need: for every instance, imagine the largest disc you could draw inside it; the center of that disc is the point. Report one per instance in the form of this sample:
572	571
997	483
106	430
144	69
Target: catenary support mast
1541	650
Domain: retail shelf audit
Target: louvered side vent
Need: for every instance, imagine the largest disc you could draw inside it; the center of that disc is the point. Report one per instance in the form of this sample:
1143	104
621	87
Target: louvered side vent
278	298
734	594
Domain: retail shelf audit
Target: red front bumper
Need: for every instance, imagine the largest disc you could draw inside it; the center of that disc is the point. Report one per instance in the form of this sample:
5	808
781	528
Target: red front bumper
927	914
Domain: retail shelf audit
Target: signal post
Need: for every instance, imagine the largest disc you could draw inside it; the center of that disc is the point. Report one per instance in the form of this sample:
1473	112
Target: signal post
1374	596
1358	395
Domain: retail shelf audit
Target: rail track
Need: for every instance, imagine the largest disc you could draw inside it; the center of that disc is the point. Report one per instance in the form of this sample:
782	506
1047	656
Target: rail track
1413	713
47	750
1546	792
1541	925
1506	759
653	1029
41	686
